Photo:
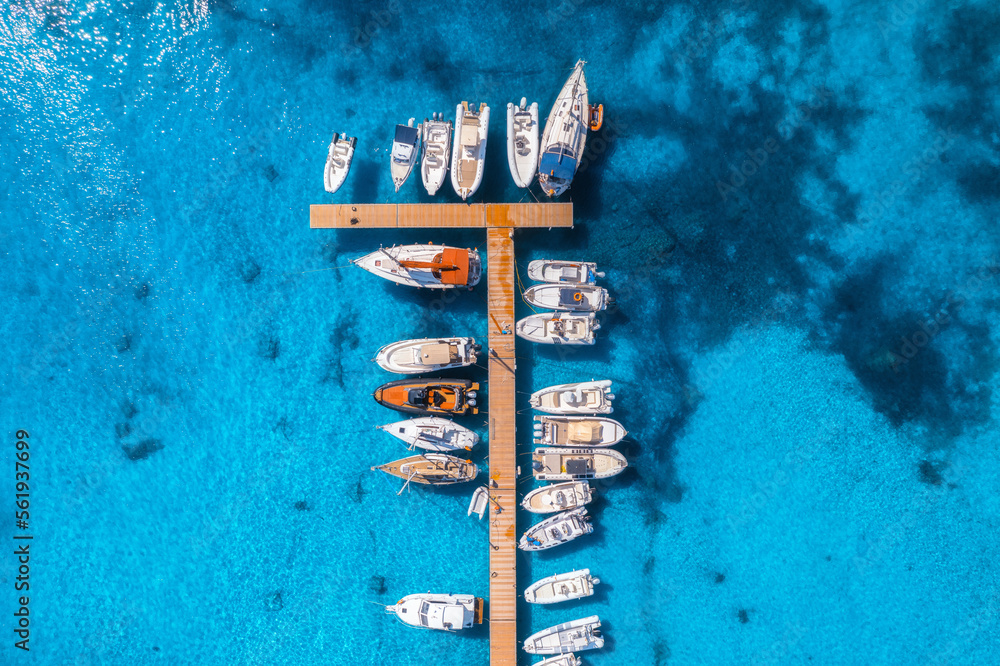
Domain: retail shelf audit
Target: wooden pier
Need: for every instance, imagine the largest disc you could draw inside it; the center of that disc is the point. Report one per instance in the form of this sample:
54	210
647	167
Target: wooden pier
499	220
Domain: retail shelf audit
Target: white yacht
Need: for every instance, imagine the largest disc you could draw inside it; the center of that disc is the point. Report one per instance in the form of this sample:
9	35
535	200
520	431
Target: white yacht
428	266
437	152
559	464
561	660
558	497
408	357
592	397
558	328
338	162
582	634
522	141
405	147
565	135
433	433
570	298
562	587
563	272
468	151
556	530
447	612
595	431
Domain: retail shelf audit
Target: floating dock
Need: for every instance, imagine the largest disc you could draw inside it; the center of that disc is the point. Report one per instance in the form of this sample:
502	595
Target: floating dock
499	220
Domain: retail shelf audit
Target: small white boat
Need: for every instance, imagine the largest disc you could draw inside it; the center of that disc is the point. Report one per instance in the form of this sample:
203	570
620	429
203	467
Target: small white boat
447	612
522	141
405	147
578	431
558	328
562	587
437	152
571	298
563	272
338	161
468	151
428	266
582	634
559	464
558	497
561	660
592	397
432	433
479	502
408	357
556	530
565	135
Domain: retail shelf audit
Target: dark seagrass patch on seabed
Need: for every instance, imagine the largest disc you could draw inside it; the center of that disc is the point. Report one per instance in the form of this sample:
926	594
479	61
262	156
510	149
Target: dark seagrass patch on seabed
142	450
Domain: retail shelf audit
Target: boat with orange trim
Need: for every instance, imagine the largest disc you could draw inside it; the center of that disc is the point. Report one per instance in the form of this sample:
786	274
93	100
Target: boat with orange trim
429	396
427	266
596	117
431	469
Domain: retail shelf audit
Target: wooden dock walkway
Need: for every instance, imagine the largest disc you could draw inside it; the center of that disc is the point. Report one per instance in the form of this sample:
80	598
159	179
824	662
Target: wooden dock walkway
499	220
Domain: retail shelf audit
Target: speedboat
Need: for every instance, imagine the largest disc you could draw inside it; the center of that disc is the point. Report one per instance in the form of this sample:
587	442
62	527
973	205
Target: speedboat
468	151
582	634
564	464
556	530
405	147
563	272
428	266
561	587
433	433
561	660
447	612
573	298
338	161
522	141
437	152
408	357
558	497
431	469
578	431
565	135
558	328
429	396
581	398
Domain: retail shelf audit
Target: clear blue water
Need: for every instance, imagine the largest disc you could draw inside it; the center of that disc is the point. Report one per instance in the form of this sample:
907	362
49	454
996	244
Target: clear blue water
813	473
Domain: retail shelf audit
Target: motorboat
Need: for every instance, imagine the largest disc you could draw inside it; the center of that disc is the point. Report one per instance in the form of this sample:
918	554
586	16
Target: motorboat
468	151
582	634
558	497
431	469
556	530
578	431
426	266
480	502
565	464
522	141
408	357
429	396
565	135
405	148
561	660
563	272
592	397
437	152
558	328
562	587
447	612
338	161
572	298
596	117
432	433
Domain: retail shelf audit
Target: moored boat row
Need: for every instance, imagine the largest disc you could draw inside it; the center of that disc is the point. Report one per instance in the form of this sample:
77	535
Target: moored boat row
568	290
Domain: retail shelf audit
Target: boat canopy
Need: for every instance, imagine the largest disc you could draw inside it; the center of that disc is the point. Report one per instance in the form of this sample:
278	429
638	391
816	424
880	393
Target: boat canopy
406	134
556	163
457	257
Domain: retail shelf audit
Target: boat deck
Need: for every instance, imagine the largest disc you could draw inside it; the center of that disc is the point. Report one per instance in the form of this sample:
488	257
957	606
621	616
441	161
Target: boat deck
499	220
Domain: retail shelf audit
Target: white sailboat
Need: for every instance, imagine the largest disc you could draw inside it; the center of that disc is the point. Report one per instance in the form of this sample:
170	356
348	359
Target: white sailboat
338	162
468	151
433	433
437	152
428	266
405	147
565	135
522	141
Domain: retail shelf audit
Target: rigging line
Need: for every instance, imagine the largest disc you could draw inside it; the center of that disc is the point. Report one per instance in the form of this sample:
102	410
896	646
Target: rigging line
318	270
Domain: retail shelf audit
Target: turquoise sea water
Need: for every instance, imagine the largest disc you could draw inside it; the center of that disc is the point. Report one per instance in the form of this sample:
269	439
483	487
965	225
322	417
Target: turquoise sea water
796	204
